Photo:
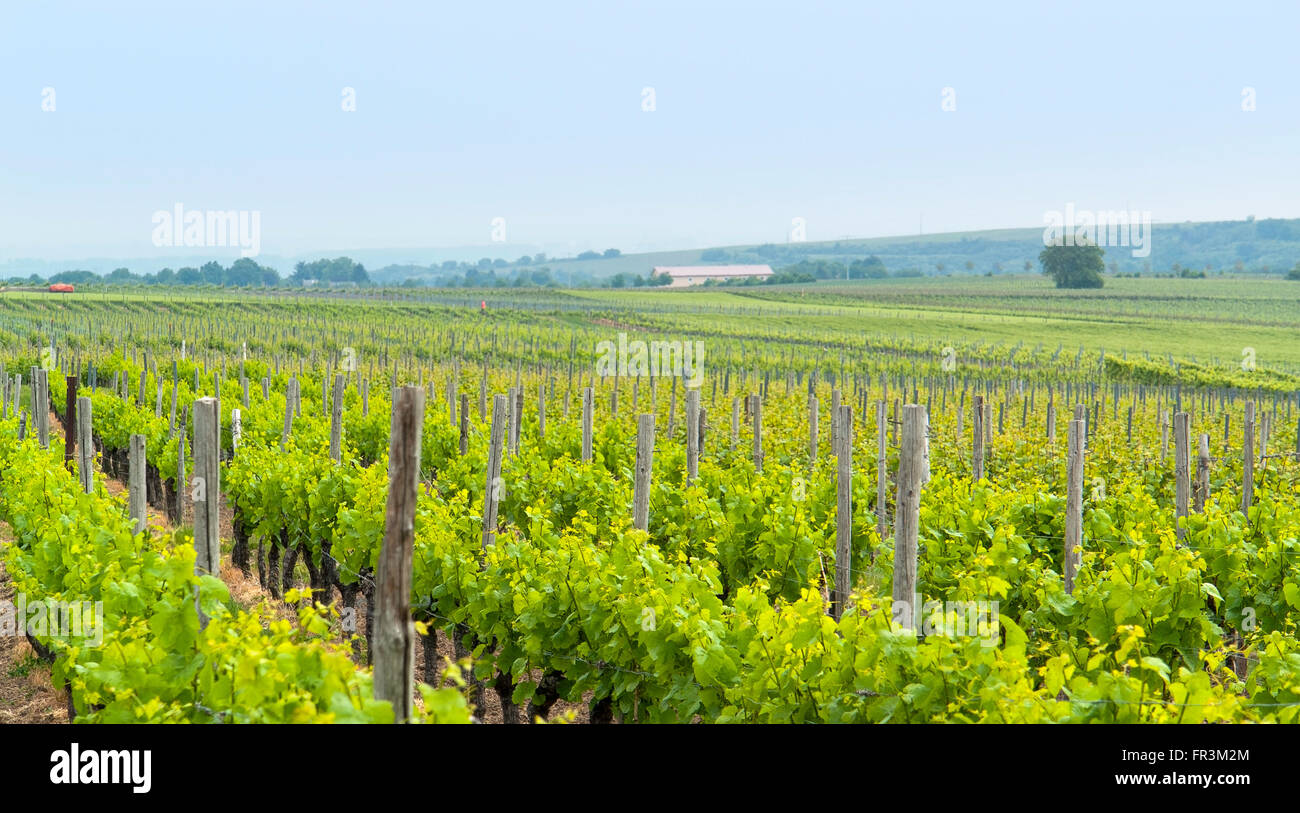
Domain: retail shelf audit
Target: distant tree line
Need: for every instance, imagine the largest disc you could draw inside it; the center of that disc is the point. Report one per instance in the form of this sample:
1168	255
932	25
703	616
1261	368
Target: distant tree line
242	273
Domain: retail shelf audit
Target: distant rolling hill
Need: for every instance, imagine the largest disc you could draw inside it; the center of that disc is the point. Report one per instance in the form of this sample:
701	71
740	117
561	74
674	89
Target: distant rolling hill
1252	246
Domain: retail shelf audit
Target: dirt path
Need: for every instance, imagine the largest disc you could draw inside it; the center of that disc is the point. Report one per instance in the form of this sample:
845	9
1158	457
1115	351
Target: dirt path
27	693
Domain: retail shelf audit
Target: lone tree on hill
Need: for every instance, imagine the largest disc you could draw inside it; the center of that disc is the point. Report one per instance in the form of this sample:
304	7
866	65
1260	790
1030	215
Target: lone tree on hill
1076	266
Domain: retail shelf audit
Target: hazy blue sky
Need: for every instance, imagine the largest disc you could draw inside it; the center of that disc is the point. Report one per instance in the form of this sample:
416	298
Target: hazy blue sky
533	112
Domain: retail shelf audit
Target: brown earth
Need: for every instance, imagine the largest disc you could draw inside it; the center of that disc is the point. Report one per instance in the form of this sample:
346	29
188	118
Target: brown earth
27	693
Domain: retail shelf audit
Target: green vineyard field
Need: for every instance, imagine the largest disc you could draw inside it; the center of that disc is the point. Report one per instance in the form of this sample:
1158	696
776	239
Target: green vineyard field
821	457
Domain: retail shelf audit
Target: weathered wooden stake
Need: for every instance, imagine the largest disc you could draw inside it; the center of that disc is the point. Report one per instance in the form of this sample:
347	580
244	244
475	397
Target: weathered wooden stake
289	399
1073	501
882	471
206	488
85	448
136	490
692	435
492	490
812	431
735	421
1182	472
587	403
70	422
844	510
336	420
394	635
1202	472
645	445
913	471
1248	461
181	482
464	423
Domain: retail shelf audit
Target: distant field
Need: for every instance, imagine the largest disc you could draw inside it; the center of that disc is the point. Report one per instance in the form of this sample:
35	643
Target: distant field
1210	320
1204	320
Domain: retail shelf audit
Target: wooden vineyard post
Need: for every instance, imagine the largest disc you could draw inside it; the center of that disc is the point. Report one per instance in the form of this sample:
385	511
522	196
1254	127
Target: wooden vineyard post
492	490
735	422
42	407
645	445
1164	435
236	430
692	435
482	393
336	420
912	473
1182	471
988	431
672	407
1073	502
85	448
1265	428
568	391
700	425
289	397
172	422
1202	472
755	410
977	440
1248	461
882	472
843	511
181	482
541	413
812	431
588	403
835	417
464	423
1051	423
136	496
394	635
206	491
70	422
516	420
